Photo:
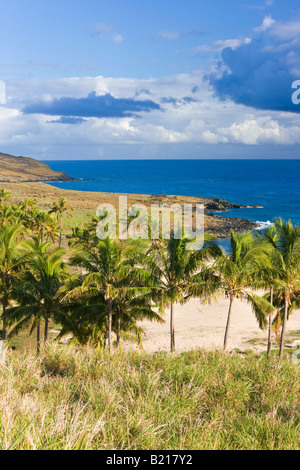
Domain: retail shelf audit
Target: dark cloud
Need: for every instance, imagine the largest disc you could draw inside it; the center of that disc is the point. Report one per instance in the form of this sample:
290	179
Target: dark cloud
178	101
104	106
259	74
169	100
68	120
189	99
143	91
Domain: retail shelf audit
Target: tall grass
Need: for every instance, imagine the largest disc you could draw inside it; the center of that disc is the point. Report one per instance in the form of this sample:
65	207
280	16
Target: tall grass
86	399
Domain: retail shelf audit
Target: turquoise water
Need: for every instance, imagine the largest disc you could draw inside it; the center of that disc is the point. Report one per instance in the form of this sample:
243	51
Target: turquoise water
272	184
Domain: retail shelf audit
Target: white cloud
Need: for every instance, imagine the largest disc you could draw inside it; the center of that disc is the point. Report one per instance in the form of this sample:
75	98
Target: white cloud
118	38
2	92
209	137
222	44
263	130
267	23
168	35
288	30
201	121
100	29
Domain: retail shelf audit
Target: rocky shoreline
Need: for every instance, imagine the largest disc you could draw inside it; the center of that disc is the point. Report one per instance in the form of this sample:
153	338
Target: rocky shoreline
222	226
57	179
220	205
215	224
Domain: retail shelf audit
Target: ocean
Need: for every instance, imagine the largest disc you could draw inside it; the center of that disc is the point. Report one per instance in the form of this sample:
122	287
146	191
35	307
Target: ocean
273	185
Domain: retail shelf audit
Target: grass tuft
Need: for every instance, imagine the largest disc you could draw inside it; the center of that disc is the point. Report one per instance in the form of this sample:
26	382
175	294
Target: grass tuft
86	399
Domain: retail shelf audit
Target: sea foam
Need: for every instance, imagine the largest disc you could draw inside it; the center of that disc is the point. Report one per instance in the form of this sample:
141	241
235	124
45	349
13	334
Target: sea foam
263	225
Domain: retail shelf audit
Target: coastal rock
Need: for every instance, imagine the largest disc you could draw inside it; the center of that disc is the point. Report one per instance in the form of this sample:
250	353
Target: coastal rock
221	226
220	205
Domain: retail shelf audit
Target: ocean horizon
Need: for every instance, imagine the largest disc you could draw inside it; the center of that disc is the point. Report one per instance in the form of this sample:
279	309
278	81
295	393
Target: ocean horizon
272	185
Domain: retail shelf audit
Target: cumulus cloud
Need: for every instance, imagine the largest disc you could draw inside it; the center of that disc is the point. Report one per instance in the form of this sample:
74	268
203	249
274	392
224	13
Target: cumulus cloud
263	130
104	106
183	111
287	30
267	23
260	74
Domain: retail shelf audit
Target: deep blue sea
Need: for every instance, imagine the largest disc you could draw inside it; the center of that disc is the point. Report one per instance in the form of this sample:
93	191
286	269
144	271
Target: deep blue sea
272	184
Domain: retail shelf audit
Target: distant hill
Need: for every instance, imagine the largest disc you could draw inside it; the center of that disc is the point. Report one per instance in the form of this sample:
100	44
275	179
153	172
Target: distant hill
24	169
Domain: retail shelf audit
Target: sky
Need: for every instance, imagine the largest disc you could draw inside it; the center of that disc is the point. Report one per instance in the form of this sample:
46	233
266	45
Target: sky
139	79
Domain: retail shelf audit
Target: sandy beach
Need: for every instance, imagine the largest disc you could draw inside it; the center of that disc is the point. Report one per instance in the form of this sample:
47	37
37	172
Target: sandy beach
203	326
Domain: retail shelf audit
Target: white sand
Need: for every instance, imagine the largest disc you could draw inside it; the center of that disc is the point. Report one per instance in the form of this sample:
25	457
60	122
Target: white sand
203	326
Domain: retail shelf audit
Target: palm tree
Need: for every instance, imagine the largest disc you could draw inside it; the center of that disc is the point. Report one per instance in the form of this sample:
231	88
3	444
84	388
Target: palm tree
110	293
10	260
90	315
61	208
286	249
42	225
38	291
27	205
80	237
269	275
235	275
107	268
9	215
168	268
4	196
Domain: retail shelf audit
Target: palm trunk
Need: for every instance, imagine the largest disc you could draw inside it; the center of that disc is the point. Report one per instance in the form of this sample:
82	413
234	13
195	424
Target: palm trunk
282	339
228	323
60	231
3	323
118	332
46	331
109	324
4	309
172	328
38	339
277	329
270	326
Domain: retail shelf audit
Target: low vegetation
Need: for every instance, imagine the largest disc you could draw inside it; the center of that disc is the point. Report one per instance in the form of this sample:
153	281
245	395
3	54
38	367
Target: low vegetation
87	399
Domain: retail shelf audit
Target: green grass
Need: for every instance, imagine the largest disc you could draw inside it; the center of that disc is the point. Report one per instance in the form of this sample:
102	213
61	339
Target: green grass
77	398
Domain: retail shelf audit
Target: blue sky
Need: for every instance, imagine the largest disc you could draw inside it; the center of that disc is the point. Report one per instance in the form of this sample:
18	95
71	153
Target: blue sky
159	79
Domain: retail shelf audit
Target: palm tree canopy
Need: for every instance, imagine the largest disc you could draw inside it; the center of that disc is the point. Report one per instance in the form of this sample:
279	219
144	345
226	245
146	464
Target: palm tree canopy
38	291
236	275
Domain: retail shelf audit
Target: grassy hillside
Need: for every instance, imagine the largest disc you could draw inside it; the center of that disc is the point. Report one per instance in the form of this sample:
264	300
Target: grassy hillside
86	399
27	169
85	203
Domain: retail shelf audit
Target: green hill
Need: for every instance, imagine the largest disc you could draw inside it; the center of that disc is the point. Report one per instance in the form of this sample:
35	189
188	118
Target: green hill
24	169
